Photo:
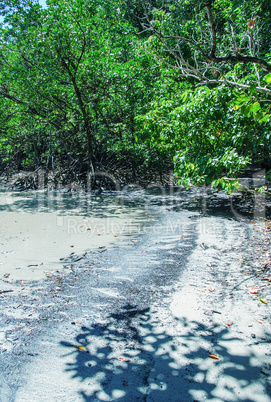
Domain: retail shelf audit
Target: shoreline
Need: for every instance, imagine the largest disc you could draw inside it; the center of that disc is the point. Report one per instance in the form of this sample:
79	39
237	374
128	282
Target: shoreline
201	298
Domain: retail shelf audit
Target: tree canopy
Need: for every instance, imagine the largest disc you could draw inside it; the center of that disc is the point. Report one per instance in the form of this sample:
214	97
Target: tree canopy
143	82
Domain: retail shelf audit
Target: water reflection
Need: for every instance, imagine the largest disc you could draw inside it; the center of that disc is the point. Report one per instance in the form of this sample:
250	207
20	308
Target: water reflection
38	228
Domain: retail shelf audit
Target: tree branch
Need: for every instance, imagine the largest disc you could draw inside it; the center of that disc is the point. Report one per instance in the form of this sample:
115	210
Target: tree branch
235	84
212	29
238	58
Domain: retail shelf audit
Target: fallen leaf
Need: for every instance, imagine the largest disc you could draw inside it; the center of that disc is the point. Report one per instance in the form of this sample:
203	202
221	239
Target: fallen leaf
215	357
22	282
262	300
124	360
59	279
229	323
80	347
253	291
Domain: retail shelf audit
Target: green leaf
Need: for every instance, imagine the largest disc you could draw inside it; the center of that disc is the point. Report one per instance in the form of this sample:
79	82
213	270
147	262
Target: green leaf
268	78
255	107
264	119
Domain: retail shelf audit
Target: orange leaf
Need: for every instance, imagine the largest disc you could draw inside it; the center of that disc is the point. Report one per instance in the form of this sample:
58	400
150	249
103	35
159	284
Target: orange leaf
215	357
253	291
229	323
251	23
59	279
22	282
80	347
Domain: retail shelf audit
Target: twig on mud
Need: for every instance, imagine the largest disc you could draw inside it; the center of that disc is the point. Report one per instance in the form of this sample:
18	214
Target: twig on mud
6	291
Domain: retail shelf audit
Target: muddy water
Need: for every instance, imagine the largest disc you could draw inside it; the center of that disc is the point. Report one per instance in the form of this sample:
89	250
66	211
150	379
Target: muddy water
39	230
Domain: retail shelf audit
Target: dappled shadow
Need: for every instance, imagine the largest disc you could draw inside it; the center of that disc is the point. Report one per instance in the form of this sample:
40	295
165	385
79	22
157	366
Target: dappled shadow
137	355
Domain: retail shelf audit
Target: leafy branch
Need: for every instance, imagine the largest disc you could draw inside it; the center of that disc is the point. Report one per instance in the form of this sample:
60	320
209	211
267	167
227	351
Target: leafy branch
201	48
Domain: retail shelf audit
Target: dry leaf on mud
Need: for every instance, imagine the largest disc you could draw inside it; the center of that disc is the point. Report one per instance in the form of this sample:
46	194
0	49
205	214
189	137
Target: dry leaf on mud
122	359
253	291
80	347
215	357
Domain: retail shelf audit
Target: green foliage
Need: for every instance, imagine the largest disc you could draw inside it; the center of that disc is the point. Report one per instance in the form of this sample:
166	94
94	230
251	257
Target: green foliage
78	80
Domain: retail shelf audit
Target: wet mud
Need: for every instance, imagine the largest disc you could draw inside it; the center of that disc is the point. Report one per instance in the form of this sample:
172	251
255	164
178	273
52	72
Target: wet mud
138	322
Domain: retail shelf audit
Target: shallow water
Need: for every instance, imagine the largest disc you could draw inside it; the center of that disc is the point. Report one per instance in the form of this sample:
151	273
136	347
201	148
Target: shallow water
39	230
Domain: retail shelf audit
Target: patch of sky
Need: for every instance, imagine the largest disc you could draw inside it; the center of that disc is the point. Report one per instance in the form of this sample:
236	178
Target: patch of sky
41	2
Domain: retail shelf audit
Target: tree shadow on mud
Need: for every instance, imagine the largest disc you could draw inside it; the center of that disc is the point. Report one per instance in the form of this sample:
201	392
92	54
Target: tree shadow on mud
135	356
